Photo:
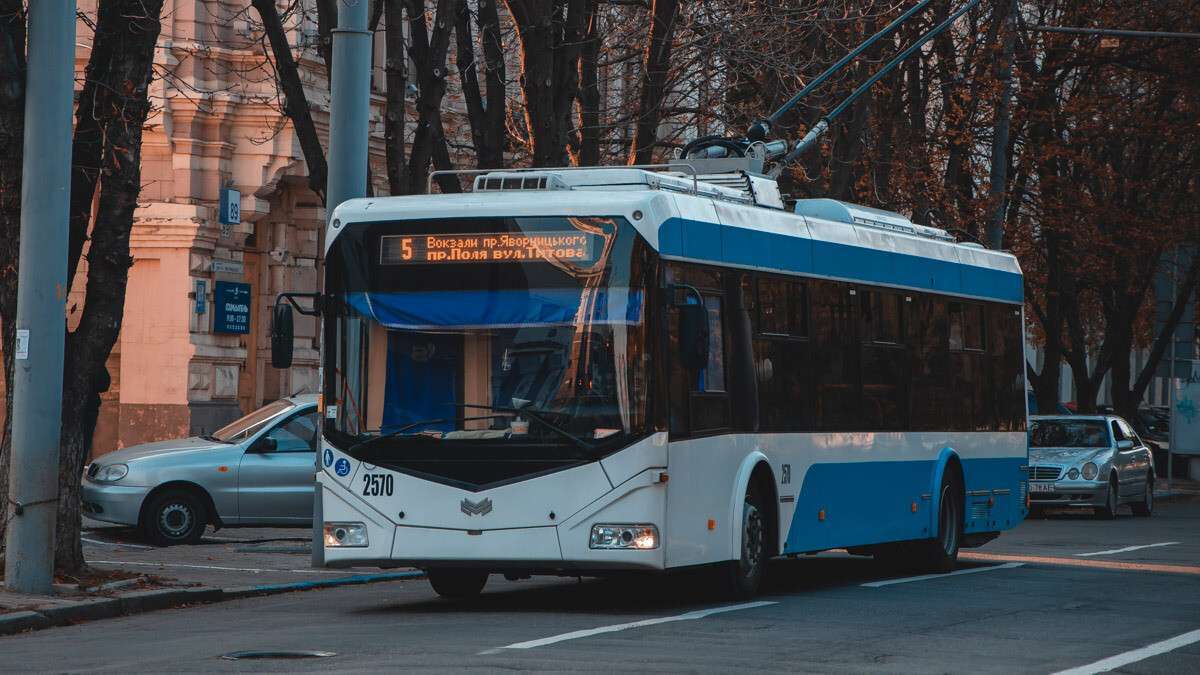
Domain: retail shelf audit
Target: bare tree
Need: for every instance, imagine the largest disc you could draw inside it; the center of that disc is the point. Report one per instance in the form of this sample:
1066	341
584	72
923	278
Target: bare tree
295	104
108	136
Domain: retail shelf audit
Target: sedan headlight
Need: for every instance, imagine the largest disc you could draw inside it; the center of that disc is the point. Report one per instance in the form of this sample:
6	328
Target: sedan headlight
1090	471
1073	474
111	473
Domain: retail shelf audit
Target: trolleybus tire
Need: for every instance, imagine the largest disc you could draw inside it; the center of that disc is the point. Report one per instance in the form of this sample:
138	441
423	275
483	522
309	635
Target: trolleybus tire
743	577
457	584
940	554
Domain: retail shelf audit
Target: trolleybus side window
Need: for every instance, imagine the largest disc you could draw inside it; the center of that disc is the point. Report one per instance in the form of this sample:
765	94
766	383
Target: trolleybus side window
835	362
883	362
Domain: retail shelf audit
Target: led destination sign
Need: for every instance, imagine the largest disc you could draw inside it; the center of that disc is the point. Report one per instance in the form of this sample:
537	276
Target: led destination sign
423	249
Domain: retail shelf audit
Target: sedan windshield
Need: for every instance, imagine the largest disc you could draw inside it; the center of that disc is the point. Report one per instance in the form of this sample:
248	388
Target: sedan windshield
245	427
1068	434
521	333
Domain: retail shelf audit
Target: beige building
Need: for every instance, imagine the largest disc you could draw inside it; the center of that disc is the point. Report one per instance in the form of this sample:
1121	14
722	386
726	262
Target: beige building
177	370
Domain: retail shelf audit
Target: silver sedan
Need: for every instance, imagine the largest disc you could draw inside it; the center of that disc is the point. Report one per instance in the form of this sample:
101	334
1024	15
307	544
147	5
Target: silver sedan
257	470
1095	462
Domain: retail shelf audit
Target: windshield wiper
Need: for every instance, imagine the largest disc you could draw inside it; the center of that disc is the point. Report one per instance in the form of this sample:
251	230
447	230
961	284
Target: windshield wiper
531	414
210	437
392	434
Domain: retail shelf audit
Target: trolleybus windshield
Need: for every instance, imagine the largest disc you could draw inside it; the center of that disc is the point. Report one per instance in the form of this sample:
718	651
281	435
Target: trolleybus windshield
520	335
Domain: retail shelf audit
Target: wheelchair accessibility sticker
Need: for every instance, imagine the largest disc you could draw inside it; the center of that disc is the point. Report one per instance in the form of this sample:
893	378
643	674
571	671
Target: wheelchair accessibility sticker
342	468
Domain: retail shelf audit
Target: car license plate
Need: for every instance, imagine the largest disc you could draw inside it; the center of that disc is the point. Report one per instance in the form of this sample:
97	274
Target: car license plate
1041	487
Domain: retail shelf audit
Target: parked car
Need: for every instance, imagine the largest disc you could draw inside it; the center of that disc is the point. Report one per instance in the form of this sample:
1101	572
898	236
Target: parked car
257	470
1089	461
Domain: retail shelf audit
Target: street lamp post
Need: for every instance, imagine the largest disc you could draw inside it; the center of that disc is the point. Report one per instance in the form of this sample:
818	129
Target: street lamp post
349	109
41	298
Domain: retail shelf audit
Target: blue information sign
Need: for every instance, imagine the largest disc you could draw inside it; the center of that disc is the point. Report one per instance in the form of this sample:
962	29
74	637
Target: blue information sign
231	307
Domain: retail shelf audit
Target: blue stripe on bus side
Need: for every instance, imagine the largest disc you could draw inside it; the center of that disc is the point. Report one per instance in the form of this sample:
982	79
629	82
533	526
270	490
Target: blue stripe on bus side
740	246
871	502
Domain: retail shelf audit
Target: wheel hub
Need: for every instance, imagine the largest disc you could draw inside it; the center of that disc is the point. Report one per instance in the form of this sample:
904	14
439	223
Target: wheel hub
175	519
752	537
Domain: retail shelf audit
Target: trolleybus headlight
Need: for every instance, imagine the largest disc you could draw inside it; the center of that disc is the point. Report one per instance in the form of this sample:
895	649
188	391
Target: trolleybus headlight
1090	471
345	534
635	536
1073	474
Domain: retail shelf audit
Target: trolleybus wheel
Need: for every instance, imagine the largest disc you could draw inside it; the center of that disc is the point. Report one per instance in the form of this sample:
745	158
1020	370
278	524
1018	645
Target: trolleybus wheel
743	577
940	554
457	584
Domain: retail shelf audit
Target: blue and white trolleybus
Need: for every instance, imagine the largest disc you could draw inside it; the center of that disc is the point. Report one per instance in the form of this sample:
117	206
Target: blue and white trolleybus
586	371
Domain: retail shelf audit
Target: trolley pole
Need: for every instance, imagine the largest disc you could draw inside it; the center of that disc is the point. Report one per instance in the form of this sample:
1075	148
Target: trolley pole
41	298
349	108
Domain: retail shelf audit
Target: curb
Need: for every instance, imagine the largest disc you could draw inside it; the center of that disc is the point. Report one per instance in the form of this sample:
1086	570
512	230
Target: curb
138	602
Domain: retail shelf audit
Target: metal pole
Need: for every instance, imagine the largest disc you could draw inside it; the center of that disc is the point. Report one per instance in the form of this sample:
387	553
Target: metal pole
1171	399
41	301
1116	32
349	107
822	125
761	128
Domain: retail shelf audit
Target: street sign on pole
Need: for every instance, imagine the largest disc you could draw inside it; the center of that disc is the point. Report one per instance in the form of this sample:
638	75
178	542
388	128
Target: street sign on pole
32	504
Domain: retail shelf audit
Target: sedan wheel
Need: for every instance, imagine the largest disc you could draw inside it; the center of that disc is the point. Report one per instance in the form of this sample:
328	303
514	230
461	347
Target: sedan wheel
174	517
1145	508
1109	510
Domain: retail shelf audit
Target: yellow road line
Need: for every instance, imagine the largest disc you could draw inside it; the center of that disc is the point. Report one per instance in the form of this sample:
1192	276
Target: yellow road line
1077	562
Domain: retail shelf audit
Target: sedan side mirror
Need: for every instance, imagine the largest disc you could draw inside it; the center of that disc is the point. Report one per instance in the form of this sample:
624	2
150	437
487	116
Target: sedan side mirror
264	445
282	336
1125	444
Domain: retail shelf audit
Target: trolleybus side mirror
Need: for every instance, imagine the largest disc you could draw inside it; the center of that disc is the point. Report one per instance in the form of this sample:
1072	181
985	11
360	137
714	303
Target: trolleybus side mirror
693	336
282	336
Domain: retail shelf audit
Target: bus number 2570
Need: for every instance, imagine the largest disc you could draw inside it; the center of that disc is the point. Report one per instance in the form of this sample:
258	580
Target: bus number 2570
375	485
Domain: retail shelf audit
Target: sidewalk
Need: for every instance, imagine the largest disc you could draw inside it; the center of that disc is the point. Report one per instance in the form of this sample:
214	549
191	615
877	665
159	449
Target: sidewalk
1178	487
134	577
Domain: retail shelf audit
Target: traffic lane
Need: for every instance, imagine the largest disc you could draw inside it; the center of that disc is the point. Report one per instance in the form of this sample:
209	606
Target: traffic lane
228	558
1023	619
1071	534
1026	619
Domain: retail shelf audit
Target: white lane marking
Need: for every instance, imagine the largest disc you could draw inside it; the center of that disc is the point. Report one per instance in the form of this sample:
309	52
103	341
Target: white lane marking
210	567
112	543
1114	662
575	635
1126	549
926	577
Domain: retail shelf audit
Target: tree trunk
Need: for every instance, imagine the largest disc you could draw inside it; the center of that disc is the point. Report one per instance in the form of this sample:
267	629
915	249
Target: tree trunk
551	37
12	134
492	154
128	30
396	72
655	66
428	51
486	115
1005	11
295	102
589	92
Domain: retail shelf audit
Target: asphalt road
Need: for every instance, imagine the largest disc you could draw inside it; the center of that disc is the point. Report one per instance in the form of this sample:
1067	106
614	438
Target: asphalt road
1052	595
